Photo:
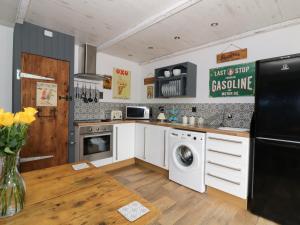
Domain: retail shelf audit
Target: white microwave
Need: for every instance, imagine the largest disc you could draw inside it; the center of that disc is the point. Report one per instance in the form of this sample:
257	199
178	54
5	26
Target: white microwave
137	112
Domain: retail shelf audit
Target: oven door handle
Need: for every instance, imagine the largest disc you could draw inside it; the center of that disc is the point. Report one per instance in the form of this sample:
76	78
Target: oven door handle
97	135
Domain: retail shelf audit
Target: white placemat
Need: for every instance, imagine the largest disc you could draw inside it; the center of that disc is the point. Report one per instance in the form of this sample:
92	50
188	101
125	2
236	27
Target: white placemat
80	166
133	211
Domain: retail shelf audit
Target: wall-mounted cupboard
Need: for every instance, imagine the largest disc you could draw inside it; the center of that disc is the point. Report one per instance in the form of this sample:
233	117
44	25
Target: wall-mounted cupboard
179	80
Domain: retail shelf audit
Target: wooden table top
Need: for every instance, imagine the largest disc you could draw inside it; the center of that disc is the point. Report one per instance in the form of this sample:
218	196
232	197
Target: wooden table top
60	195
196	128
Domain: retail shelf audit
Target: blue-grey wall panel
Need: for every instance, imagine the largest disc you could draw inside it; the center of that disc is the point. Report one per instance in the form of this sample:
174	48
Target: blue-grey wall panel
30	38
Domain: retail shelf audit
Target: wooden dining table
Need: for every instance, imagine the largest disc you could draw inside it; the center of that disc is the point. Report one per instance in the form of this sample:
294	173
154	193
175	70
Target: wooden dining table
61	195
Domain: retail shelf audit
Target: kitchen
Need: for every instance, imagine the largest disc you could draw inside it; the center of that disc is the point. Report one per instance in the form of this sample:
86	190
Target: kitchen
156	111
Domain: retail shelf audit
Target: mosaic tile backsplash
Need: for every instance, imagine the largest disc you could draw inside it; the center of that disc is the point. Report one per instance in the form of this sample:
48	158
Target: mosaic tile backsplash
213	114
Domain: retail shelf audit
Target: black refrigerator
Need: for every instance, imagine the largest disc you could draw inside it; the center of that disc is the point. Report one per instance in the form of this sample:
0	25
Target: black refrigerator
274	185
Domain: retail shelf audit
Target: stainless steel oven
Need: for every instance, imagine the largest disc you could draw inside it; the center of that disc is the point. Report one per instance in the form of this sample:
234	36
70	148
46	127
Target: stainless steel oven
95	142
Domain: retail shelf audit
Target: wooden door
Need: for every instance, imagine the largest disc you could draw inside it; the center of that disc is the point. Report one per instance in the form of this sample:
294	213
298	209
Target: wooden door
47	143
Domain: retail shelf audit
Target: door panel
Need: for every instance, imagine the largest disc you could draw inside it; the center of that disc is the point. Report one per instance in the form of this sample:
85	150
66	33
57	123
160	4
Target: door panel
278	99
48	135
276	184
156	146
124	142
140	141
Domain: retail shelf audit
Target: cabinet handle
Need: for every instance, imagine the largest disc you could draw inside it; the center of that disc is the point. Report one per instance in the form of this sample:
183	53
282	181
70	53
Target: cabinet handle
117	148
224	179
228	167
30	159
145	142
165	148
224	153
226	140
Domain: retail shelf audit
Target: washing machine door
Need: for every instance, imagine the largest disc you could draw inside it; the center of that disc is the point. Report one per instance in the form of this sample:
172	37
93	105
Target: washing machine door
185	156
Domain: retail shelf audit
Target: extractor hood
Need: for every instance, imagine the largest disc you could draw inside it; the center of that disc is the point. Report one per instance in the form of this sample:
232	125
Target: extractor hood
87	63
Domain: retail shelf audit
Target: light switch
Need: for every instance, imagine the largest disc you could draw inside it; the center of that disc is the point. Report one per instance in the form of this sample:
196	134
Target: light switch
48	33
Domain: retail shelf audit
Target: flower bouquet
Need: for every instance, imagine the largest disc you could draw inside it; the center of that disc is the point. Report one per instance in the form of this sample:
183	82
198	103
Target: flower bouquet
13	132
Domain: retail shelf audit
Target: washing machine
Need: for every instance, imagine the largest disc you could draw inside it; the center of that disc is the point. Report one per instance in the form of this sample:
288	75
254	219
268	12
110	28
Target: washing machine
187	158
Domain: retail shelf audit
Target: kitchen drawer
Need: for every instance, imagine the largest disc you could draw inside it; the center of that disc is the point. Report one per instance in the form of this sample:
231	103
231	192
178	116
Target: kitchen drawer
230	174
225	159
238	190
226	144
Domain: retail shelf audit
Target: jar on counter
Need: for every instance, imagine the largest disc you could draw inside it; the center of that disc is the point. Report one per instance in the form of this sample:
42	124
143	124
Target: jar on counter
200	121
192	120
184	120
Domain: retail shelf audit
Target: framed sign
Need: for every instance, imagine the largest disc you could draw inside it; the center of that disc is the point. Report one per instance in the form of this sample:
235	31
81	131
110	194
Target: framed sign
121	83
230	81
46	94
107	83
150	92
231	56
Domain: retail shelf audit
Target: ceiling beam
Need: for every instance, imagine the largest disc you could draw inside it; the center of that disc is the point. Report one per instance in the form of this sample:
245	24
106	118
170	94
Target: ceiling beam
179	6
22	10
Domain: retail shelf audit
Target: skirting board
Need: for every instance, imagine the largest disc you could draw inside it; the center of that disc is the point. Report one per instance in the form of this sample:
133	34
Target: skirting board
241	203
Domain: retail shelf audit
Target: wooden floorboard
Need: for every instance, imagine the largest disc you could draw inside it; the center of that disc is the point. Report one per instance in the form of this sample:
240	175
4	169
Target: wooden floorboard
180	205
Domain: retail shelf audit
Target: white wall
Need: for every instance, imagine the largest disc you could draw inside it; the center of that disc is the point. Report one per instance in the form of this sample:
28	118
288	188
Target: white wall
105	65
265	45
6	53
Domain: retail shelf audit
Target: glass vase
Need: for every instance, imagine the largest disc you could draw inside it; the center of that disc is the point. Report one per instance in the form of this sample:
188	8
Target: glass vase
12	187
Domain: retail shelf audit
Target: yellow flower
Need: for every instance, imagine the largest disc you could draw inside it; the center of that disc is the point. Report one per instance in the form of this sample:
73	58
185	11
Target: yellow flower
17	117
23	117
6	119
1	111
30	111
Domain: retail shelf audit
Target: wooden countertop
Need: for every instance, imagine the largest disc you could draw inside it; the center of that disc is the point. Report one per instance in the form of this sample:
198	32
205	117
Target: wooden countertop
60	195
205	129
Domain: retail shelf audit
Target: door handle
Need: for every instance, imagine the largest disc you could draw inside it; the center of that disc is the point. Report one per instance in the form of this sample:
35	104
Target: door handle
117	149
224	153
222	165
36	158
67	97
225	140
165	147
224	179
145	142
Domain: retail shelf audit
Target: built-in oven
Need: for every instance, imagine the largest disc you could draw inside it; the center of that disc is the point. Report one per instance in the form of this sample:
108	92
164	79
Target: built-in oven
137	112
95	142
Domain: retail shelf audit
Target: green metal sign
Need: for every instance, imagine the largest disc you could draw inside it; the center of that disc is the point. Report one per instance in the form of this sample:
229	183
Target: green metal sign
231	81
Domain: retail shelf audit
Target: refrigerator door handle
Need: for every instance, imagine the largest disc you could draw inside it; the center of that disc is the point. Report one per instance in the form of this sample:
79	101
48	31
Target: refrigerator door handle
278	140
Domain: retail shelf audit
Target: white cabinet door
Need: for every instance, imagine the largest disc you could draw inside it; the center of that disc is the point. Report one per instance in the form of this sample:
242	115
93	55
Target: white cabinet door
139	150
156	145
124	135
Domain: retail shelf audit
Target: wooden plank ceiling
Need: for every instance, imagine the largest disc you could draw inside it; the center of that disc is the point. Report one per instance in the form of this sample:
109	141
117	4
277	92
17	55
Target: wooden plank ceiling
119	27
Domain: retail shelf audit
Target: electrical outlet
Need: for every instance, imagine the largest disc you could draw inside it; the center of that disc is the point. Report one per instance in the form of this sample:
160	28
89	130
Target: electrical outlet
161	108
194	109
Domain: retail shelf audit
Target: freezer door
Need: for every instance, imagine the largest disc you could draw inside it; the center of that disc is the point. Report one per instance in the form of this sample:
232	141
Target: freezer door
275	181
277	103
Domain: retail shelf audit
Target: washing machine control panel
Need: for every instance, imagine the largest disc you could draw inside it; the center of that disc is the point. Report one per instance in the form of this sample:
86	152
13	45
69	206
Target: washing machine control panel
188	136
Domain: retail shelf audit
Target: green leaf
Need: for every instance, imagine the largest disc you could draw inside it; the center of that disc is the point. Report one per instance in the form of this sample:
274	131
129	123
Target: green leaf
13	143
8	151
